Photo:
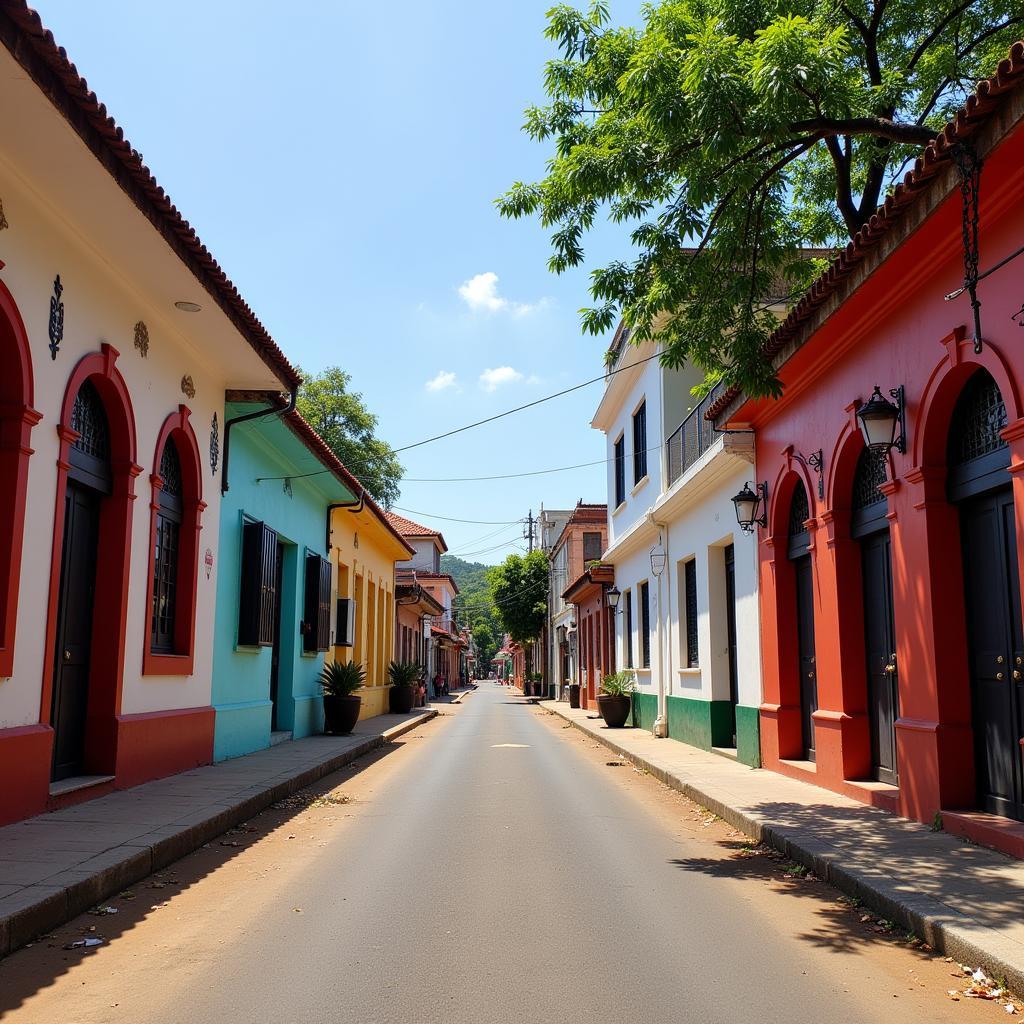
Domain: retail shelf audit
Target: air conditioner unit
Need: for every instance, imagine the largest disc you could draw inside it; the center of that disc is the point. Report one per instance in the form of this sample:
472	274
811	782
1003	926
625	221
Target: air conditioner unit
345	630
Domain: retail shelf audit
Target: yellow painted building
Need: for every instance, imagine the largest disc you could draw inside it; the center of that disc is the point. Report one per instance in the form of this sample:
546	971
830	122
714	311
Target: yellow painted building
364	549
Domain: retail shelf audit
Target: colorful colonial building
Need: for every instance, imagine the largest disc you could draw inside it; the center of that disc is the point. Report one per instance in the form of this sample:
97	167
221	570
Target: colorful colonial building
119	337
366	547
889	578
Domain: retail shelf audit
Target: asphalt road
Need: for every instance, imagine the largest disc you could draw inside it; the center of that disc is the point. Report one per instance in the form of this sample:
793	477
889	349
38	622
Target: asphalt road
493	869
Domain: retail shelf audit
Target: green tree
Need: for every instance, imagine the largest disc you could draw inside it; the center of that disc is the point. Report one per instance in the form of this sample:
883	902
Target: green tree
340	416
519	588
486	645
726	135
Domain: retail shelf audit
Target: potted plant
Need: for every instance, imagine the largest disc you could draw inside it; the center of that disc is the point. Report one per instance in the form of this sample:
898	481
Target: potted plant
615	701
403	676
574	693
339	681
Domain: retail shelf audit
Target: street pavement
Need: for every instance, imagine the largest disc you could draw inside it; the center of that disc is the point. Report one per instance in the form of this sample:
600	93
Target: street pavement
495	869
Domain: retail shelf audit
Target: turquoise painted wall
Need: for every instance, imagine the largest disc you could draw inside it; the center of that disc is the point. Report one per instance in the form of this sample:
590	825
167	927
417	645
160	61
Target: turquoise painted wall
241	675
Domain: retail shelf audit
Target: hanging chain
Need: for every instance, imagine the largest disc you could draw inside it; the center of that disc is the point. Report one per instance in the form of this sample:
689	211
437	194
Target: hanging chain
969	165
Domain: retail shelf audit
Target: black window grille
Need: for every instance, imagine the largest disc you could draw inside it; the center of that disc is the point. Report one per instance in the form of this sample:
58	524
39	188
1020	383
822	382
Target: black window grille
89	421
166	552
978	419
620	471
799	510
629	629
257	606
592	547
869	475
640	443
316	619
690	585
645	625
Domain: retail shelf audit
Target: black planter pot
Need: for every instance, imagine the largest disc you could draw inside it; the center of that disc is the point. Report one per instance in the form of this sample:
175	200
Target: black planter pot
341	714
401	699
614	710
574	695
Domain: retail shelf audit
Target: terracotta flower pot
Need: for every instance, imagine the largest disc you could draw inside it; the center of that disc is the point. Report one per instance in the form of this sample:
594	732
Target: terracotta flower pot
341	714
614	710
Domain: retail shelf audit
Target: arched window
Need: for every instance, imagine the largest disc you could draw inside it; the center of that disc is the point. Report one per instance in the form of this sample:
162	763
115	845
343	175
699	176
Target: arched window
166	551
977	454
799	513
174	542
868	505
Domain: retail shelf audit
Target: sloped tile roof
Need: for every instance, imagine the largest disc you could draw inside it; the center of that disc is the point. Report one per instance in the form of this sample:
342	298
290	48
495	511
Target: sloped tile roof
933	160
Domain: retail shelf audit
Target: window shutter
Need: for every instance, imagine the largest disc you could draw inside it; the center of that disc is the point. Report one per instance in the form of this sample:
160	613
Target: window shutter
257	597
346	623
316	616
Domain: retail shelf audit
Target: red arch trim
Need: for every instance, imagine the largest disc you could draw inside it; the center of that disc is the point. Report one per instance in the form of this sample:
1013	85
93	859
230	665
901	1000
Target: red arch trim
17	418
111	605
182	661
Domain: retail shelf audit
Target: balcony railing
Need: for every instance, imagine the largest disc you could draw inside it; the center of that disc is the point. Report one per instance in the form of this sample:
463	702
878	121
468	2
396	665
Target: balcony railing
692	439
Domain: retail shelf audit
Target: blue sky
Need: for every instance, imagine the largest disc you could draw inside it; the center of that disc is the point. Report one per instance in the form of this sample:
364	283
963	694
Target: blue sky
341	160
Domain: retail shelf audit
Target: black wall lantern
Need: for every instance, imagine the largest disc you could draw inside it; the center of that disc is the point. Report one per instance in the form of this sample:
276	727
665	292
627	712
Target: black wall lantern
883	423
752	507
611	597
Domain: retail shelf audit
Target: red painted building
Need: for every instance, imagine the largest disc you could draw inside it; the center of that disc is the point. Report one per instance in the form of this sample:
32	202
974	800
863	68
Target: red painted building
892	645
595	630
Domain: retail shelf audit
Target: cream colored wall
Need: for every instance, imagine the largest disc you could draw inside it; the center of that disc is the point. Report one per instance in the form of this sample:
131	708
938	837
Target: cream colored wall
101	306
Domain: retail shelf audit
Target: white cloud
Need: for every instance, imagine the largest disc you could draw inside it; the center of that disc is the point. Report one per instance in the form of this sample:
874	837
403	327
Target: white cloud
481	293
444	379
491	380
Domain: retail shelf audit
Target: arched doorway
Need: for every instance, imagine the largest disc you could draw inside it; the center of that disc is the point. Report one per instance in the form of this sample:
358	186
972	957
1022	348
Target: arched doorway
799	553
89	481
978	483
869	526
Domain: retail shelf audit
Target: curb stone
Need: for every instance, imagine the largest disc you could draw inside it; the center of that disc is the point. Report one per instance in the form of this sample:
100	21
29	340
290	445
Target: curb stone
943	927
45	906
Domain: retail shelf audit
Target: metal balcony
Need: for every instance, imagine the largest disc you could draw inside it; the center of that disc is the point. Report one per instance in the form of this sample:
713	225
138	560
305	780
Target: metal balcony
694	436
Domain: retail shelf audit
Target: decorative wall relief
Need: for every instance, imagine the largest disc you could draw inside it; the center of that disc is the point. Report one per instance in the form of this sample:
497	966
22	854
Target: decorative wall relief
56	317
142	339
214	445
188	386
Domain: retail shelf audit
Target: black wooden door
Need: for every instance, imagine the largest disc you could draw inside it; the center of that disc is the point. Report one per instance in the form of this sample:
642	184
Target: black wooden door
730	628
74	629
880	654
996	649
275	651
805	641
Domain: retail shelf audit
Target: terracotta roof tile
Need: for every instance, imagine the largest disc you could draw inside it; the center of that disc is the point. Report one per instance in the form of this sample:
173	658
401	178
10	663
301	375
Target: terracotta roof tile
929	164
47	64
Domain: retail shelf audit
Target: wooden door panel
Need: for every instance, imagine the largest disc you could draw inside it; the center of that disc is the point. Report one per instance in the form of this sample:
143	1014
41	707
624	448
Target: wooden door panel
805	639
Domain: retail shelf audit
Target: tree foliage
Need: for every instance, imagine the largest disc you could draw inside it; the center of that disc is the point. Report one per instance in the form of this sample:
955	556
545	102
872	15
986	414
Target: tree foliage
474	605
728	134
519	588
340	416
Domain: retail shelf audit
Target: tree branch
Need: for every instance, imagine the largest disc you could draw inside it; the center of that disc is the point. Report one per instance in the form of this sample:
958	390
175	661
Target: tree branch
844	191
879	127
926	43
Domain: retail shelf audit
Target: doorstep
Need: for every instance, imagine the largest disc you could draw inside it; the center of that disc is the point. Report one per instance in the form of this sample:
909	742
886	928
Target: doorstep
78	789
57	865
960	898
989	830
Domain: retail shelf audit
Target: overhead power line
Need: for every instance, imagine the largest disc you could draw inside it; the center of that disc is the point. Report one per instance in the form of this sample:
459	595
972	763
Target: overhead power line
449	519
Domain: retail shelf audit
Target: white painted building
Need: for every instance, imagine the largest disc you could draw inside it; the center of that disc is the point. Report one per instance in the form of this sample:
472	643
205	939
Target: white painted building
687	620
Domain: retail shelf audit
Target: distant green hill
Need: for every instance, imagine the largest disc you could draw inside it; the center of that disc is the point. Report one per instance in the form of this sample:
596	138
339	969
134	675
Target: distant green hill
474	603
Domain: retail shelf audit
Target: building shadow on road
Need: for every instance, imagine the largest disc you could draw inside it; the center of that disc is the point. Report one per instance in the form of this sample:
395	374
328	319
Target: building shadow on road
41	963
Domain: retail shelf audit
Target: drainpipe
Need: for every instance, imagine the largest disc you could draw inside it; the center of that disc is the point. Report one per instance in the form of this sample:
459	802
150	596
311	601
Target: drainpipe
660	728
352	506
259	414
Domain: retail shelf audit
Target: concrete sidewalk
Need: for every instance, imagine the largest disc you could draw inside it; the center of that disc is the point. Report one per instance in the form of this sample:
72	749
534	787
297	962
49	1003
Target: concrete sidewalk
962	899
54	866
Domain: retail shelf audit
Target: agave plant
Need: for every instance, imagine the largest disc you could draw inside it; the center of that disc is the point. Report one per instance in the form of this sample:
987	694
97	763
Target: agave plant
403	673
342	678
621	684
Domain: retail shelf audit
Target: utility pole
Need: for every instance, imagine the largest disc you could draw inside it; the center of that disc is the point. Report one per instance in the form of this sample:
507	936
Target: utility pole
528	532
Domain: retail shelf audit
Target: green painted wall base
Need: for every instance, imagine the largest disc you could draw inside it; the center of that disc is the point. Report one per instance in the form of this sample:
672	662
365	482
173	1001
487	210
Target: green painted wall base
748	735
645	710
701	723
